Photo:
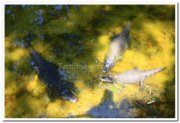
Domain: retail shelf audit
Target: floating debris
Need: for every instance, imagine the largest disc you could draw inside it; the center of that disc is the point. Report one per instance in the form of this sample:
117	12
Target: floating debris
150	102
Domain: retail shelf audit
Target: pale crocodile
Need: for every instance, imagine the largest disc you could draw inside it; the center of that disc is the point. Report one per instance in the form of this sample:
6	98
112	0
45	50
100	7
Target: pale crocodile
132	76
117	47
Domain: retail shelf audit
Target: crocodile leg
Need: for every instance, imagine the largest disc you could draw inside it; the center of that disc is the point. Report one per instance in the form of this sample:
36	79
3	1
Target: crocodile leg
114	84
118	58
141	85
123	85
101	83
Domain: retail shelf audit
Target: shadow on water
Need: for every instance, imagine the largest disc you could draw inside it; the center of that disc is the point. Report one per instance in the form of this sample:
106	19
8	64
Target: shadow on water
108	109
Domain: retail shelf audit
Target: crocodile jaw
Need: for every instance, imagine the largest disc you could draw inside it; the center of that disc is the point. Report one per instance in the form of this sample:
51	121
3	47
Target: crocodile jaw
107	78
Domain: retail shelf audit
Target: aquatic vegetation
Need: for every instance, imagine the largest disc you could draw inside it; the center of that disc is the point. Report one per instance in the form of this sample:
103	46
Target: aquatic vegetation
76	38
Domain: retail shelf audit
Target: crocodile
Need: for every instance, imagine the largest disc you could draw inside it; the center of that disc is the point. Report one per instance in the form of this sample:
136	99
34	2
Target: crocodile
49	74
118	45
135	76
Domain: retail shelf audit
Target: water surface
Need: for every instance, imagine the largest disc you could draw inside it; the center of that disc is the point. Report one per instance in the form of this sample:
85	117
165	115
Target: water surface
76	38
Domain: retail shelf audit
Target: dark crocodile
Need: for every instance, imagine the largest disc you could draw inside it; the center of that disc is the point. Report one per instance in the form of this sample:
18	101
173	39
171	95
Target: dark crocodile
49	74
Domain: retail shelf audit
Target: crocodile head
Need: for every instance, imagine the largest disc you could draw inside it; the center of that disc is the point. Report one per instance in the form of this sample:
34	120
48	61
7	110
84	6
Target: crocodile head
109	62
107	78
68	95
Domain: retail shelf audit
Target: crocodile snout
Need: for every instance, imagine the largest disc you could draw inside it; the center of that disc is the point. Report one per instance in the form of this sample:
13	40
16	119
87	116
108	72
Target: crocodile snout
106	78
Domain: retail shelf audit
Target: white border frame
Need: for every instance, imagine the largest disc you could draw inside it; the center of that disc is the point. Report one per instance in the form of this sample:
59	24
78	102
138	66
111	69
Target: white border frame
93	2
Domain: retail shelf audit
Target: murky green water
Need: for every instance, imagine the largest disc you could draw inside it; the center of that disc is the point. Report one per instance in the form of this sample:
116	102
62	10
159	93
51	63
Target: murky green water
76	38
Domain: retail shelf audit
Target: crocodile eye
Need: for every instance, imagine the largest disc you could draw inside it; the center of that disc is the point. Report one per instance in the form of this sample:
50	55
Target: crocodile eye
103	77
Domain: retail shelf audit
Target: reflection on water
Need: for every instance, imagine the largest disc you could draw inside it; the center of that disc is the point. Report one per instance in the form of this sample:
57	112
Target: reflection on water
76	38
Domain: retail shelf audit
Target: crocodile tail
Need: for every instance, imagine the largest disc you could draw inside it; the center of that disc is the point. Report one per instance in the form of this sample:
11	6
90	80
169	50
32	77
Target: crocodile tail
34	54
125	31
128	25
149	73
